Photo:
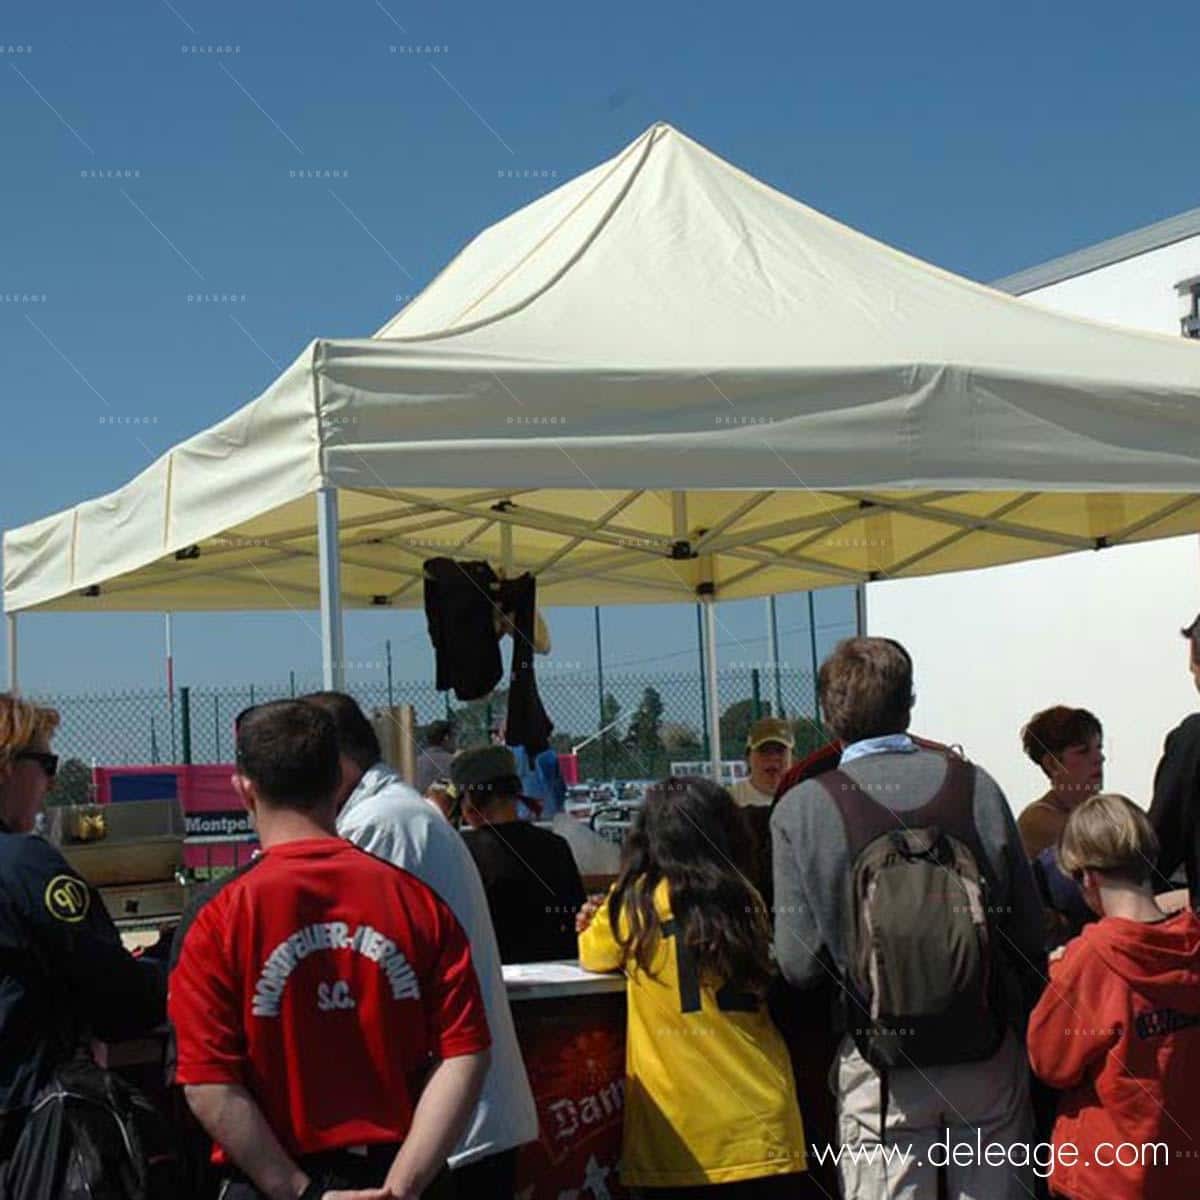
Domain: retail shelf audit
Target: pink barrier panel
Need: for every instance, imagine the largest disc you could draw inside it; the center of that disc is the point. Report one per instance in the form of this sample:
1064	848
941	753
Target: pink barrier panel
206	855
218	830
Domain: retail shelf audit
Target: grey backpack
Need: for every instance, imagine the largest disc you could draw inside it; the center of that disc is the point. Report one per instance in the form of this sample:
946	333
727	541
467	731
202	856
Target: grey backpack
921	986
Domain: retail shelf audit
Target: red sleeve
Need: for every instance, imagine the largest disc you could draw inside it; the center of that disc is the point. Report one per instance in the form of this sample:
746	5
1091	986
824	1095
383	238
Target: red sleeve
204	1007
1072	1027
456	1020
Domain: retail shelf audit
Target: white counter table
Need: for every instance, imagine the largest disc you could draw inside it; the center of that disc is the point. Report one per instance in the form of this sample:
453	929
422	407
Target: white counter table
555	980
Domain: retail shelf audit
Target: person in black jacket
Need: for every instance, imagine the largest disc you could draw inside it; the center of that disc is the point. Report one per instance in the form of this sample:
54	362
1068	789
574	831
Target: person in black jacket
63	970
1175	810
532	883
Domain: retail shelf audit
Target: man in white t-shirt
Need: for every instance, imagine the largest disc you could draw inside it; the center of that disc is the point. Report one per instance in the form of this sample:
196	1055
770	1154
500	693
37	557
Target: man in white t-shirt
769	746
381	814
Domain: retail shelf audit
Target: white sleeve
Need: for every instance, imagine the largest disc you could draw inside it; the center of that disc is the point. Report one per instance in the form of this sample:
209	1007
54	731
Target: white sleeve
422	842
385	836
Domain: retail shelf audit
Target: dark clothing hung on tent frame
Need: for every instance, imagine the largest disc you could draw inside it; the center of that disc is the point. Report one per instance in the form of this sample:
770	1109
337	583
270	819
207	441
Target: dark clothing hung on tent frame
461	599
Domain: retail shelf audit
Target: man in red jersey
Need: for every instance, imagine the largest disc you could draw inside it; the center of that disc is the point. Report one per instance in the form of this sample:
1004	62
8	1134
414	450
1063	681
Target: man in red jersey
328	1023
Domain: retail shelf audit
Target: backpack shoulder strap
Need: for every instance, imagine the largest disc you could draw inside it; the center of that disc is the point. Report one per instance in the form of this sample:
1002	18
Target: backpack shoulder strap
863	817
952	807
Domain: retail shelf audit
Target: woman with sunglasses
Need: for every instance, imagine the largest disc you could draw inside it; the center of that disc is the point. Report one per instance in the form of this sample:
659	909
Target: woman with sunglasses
63	970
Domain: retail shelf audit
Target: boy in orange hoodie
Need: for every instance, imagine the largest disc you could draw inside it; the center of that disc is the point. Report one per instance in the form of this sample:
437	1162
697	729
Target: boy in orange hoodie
1118	1028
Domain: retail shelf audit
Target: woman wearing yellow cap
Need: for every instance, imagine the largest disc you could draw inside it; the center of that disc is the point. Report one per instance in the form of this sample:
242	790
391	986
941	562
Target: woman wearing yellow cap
769	746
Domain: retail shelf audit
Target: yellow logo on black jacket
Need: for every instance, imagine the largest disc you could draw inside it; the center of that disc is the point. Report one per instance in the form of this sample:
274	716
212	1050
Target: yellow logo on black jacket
67	898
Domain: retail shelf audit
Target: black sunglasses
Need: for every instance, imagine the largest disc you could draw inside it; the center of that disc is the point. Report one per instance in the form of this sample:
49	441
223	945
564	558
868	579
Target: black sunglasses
44	759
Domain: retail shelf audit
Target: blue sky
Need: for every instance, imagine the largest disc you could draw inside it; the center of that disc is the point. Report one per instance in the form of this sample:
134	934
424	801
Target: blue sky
320	162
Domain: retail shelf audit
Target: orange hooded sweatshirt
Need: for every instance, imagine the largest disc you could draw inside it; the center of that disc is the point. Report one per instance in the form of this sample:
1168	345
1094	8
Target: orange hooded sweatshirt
1118	1030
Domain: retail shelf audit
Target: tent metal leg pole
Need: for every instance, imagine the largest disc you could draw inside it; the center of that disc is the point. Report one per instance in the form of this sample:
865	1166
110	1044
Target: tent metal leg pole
710	671
860	608
333	658
506	550
11	623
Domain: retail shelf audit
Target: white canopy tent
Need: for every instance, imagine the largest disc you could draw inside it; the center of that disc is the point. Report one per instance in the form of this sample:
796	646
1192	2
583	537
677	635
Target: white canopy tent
662	380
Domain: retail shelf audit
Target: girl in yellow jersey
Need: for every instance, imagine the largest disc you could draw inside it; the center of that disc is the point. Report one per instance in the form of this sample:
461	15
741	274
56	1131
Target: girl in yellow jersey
710	1103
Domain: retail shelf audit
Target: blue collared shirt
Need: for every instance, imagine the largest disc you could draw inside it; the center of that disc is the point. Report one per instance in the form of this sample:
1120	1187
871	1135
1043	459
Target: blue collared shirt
890	743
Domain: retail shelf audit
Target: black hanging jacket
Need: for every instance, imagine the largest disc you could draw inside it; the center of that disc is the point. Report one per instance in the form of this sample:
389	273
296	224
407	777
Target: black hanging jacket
461	601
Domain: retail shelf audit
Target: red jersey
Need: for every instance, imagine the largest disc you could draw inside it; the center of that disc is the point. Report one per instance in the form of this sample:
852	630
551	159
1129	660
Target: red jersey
327	982
1118	1029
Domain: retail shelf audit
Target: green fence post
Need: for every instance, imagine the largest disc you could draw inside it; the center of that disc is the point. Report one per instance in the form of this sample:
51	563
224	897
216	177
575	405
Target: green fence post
755	694
387	645
292	684
216	727
185	721
153	741
812	642
780	711
600	697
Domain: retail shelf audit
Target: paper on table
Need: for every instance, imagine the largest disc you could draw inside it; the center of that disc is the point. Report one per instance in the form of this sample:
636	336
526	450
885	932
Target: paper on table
559	971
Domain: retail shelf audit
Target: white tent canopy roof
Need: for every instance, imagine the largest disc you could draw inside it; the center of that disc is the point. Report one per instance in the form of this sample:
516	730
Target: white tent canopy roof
660	374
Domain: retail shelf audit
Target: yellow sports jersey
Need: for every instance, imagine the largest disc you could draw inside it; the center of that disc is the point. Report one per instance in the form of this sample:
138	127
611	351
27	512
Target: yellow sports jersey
709	1094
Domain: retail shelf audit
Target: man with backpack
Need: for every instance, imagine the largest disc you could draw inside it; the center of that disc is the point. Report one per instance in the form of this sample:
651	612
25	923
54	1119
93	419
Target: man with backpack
900	875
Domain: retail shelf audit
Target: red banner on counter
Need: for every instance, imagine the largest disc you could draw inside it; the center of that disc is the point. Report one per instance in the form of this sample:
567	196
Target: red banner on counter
574	1051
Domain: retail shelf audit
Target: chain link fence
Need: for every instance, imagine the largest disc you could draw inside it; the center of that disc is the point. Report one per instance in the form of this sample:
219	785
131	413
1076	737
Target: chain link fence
630	725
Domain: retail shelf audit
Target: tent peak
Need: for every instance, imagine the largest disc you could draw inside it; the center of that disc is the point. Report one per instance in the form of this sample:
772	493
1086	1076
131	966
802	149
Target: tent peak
512	263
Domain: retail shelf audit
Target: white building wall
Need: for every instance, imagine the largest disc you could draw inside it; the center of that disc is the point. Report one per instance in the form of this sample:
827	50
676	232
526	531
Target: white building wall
1139	292
1099	630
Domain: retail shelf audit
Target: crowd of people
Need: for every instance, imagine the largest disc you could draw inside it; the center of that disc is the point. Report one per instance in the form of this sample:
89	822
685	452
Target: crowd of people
857	974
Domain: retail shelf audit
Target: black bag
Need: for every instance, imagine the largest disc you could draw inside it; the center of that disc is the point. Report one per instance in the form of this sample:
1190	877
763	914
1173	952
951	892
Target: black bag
921	987
91	1136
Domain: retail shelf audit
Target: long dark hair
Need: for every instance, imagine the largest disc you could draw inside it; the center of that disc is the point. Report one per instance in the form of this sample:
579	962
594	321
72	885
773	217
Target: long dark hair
690	833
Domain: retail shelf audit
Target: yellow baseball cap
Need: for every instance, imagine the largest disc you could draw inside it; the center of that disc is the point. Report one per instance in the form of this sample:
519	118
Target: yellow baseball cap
770	729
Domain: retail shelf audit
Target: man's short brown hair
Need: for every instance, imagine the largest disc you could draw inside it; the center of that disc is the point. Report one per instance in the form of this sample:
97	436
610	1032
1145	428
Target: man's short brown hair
356	736
866	688
1109	833
289	750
